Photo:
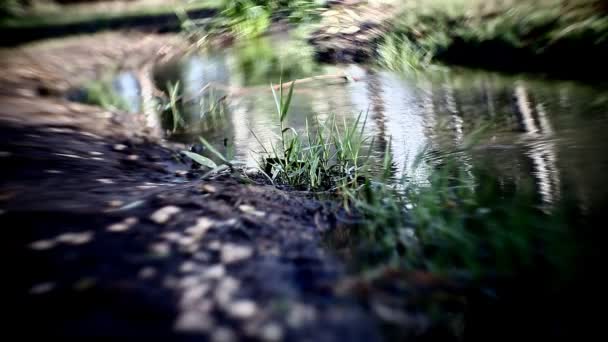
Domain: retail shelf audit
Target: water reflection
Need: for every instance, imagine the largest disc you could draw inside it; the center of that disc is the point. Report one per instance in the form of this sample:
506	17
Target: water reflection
535	125
529	123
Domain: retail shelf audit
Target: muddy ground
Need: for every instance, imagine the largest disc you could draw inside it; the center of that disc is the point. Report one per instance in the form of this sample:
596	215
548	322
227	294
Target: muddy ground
114	235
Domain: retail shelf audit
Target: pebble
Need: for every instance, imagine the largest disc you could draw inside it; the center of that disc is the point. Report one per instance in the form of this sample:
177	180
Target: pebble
123	225
247	209
271	332
163	214
223	335
119	147
147	272
242	309
160	249
42	245
192	321
76	238
115	203
214	272
200	228
42	288
209	188
231	253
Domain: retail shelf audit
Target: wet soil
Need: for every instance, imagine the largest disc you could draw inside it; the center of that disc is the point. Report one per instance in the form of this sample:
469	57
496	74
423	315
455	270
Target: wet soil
114	235
109	244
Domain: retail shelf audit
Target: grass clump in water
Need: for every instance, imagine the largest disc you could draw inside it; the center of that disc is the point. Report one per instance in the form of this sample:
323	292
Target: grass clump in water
318	159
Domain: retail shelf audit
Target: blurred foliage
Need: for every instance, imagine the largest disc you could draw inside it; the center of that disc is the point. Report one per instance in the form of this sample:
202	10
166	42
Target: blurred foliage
454	224
102	93
260	61
428	29
253	17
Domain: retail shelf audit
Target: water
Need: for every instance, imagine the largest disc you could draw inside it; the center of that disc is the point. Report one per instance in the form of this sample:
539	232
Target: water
551	132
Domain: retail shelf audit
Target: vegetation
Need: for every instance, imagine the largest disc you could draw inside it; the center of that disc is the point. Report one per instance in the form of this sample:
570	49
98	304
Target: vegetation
247	18
102	93
517	34
450	224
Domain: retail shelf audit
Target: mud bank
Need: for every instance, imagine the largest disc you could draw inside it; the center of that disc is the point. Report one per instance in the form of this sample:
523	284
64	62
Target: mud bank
116	236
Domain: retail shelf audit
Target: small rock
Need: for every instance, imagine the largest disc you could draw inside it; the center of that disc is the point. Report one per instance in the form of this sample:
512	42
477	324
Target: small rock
123	225
163	215
271	332
132	157
145	187
350	30
193	294
95	153
225	291
181	173
300	315
252	171
214	272
242	309
160	249
330	13
188	282
105	181
54	172
333	30
214	245
208	188
42	245
119	147
200	228
172	236
187	266
223	335
231	253
76	238
42	288
251	210
115	203
186	241
147	272
193	321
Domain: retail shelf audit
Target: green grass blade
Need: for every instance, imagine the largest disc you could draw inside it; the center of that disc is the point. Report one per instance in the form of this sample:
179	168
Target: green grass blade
213	150
285	106
200	159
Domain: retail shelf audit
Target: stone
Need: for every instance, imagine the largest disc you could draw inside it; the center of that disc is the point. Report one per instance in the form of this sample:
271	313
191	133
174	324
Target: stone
162	215
123	225
231	253
242	309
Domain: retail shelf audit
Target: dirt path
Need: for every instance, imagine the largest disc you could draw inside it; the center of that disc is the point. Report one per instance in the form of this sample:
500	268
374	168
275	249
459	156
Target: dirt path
112	235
